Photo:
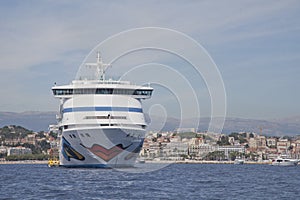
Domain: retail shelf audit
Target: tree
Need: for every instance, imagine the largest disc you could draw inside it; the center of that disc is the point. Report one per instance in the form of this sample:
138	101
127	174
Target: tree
41	134
44	145
52	134
34	149
27	157
223	141
244	134
235	154
235	135
216	155
242	140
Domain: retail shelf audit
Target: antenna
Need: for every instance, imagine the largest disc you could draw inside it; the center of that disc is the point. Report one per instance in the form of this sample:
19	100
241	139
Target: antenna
99	66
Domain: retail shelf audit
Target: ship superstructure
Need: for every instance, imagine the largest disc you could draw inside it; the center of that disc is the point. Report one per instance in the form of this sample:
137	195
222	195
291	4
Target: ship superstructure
101	122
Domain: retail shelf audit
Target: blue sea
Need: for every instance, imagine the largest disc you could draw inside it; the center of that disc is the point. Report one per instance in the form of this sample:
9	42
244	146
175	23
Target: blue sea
175	181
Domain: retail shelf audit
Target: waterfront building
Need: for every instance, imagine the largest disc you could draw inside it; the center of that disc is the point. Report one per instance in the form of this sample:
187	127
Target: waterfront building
175	150
18	151
228	149
200	151
271	153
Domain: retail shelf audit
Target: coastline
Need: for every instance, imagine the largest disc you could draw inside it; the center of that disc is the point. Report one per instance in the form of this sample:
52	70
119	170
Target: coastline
24	162
205	162
147	161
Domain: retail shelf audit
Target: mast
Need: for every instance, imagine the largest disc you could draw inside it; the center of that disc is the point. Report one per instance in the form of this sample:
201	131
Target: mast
99	66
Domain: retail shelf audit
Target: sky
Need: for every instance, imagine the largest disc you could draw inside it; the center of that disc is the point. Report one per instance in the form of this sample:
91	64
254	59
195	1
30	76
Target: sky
254	45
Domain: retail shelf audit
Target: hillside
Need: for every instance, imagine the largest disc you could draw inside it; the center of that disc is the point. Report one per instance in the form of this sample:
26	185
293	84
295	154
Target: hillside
39	121
36	121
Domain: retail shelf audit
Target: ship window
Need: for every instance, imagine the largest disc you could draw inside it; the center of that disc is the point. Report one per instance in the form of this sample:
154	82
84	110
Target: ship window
70	136
104	91
101	91
63	91
143	92
87	135
82	135
105	117
74	135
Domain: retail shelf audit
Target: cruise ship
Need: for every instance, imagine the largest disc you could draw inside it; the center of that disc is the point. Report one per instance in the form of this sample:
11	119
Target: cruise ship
100	122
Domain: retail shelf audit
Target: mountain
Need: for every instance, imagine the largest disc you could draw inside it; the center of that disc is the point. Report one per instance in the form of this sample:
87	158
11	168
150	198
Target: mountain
38	121
274	127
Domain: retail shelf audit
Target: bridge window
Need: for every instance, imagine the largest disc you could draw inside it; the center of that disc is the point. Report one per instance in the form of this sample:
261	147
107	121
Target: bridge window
63	91
101	91
142	92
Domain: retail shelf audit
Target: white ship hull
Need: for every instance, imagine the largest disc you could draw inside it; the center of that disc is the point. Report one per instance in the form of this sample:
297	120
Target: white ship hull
284	162
101	122
105	148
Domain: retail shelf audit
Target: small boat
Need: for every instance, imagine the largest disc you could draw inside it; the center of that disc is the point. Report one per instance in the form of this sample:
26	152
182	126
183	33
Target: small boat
53	162
284	162
140	160
239	162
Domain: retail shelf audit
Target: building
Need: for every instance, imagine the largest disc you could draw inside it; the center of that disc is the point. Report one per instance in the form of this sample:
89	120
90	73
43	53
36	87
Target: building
200	151
30	139
183	130
3	150
296	149
258	142
283	146
231	140
18	151
252	144
271	142
175	150
229	149
261	142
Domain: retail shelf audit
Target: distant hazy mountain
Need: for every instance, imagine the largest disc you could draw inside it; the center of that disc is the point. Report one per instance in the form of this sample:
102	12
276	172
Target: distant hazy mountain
276	127
38	121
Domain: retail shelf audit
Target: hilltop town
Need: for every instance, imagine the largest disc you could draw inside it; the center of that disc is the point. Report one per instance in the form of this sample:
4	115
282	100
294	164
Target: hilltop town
18	143
180	145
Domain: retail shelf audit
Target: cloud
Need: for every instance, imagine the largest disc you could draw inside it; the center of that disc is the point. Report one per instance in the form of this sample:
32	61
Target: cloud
44	31
52	37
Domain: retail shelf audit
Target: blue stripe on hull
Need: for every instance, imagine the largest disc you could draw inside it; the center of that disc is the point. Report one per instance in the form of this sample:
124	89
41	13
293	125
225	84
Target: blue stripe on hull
116	109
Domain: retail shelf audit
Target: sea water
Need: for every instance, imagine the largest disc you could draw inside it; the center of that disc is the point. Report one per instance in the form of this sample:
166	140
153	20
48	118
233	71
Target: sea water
176	181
